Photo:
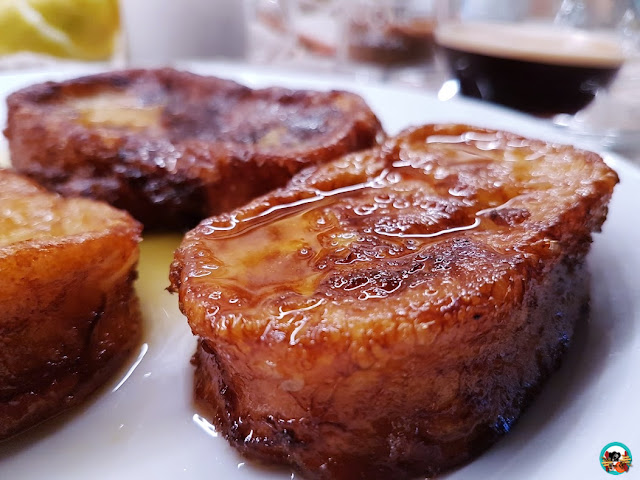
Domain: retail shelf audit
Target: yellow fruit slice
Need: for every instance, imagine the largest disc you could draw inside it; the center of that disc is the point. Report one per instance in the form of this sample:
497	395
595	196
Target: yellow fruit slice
91	25
21	30
82	29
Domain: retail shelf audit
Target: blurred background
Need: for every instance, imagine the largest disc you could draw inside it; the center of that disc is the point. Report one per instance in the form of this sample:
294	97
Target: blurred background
574	62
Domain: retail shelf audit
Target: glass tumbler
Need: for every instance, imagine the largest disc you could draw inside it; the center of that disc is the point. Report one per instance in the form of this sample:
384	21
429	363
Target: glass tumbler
541	57
388	39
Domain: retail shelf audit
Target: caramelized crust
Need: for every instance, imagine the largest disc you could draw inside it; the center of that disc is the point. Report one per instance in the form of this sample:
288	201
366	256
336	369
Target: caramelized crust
173	147
69	313
390	314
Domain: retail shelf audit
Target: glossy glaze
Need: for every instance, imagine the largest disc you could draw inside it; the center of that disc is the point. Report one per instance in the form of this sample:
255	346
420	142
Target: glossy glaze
431	201
390	313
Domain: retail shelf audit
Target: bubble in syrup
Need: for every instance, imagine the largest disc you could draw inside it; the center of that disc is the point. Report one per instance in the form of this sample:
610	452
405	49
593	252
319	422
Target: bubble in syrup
401	203
365	210
385	198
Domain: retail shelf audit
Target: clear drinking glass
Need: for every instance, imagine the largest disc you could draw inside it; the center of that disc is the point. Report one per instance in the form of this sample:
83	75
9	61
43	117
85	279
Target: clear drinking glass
268	30
550	58
541	58
314	24
613	118
298	34
388	39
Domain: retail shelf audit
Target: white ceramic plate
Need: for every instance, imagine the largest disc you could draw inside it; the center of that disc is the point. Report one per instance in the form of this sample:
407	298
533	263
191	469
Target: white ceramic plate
143	424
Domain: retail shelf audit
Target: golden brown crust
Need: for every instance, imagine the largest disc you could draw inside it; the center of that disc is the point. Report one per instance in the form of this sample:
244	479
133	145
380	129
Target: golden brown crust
70	315
415	410
390	313
173	147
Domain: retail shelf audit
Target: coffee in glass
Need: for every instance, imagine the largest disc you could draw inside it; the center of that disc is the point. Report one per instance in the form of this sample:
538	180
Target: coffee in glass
541	69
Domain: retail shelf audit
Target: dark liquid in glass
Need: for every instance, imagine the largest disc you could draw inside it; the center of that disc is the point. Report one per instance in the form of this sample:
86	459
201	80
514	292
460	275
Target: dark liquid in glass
391	44
529	77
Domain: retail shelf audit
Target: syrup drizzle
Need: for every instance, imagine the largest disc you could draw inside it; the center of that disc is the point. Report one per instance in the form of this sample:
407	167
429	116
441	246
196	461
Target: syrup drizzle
276	212
276	259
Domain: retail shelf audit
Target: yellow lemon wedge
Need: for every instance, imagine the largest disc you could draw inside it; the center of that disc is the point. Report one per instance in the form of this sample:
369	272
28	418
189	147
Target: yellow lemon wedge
81	29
